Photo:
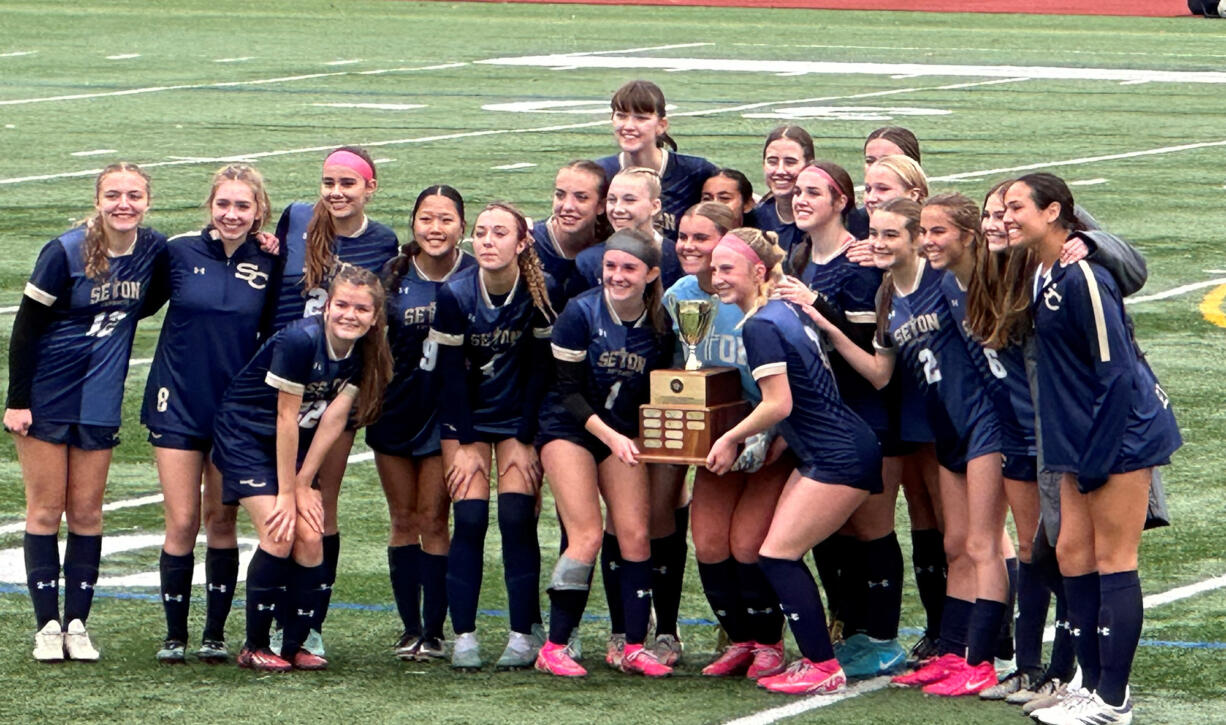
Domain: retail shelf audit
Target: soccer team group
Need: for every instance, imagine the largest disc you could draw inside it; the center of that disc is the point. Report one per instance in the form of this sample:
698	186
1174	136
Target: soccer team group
914	343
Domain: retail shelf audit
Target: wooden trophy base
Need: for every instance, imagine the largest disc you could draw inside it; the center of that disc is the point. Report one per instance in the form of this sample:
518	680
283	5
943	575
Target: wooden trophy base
689	410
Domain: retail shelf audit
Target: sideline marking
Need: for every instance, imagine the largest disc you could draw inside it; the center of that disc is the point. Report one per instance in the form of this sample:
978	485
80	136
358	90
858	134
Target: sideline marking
774	714
509	167
502	131
1079	161
233	60
123	56
17	53
226	84
1211	306
1175	291
1088	182
742	65
95	152
349	61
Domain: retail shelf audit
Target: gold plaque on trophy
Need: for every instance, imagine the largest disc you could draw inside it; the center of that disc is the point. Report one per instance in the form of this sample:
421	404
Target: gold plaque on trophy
690	408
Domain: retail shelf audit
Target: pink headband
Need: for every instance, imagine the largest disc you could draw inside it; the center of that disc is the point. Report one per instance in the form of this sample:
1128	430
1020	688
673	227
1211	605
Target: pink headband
350	160
738	245
825	175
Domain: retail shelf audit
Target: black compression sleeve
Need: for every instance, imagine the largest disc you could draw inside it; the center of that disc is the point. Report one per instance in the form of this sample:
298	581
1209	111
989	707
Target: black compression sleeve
32	318
571	379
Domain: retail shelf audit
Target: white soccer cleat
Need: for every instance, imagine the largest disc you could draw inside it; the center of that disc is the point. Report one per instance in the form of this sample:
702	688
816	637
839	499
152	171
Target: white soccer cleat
77	644
49	643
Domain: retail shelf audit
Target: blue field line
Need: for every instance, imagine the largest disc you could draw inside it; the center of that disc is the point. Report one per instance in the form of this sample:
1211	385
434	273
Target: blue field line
502	614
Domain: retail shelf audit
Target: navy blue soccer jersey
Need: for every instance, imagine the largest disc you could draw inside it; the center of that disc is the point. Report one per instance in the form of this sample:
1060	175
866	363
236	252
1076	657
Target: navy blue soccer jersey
297	360
370	248
409	422
1004	376
1101	410
850	290
83	352
563	269
723	346
619	359
833	443
212	328
590	264
931	348
491	358
681	180
766	218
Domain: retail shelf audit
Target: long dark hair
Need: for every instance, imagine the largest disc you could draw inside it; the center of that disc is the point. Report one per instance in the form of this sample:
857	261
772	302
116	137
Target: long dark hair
798	257
901	137
376	355
602	228
909	210
790	132
321	233
398	266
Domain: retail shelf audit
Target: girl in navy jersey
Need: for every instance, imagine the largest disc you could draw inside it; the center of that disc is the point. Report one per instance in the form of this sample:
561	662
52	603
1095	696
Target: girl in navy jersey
491	328
220	307
1112	424
631	202
578	222
882	142
68	356
839	459
861	566
279	417
731	512
405	439
934	353
901	176
640	126
788	149
605	344
314	237
734	190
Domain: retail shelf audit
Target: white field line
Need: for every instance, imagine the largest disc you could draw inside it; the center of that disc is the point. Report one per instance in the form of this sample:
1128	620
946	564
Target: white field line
1175	291
1012	51
775	714
155	498
494	132
225	84
1079	161
741	65
799	707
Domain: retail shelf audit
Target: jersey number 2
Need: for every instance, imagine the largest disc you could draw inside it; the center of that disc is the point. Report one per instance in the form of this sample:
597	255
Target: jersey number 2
932	373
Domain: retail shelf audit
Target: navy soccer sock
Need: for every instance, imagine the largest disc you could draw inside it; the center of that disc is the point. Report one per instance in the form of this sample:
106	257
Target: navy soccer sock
829	557
801	604
433	594
1004	639
175	573
266	578
221	578
763	618
465	562
928	558
636	598
983	632
882	566
1033	599
81	559
719	584
1120	615
307	594
42	556
1083	605
568	592
404	569
955	623
332	555
1063	654
610	573
521	559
